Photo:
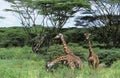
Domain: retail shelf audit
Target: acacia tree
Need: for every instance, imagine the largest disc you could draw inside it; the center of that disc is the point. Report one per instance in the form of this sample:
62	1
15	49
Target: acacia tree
58	12
27	13
105	21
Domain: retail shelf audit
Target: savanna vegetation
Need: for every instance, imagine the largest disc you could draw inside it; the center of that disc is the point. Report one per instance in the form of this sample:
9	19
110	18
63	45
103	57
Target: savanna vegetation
21	62
24	51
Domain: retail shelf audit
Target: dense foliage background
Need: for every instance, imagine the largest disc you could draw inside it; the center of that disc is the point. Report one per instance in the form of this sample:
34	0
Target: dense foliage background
16	37
24	51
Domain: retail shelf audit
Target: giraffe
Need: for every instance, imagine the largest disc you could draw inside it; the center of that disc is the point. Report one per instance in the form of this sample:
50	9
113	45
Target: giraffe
93	59
66	49
71	61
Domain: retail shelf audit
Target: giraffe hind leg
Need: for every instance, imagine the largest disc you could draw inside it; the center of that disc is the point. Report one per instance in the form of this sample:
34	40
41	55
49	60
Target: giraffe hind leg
96	65
90	63
78	64
72	66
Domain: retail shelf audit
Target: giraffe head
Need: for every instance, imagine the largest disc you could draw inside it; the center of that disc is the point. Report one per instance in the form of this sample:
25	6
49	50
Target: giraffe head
58	36
87	34
49	65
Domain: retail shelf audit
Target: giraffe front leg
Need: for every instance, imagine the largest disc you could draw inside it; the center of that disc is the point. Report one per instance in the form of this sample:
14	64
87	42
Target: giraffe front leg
80	66
94	65
72	66
97	64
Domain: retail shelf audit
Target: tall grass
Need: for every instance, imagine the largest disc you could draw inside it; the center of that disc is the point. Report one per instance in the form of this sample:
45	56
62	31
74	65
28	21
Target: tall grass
20	62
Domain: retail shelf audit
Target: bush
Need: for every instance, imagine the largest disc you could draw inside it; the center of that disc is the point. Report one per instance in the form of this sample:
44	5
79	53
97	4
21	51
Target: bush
74	35
13	37
109	57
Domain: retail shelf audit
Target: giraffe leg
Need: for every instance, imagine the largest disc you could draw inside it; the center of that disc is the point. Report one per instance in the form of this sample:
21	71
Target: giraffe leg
97	63
94	65
80	66
90	64
79	63
72	66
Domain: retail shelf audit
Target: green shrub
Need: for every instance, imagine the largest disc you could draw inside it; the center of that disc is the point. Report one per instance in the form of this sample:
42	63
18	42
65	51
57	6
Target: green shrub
74	35
109	56
13	37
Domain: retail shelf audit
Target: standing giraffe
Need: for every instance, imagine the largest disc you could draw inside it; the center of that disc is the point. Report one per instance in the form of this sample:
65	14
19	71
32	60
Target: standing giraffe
93	59
70	61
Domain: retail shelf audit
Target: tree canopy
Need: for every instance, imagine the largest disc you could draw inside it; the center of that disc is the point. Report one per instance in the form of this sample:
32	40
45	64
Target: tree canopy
59	11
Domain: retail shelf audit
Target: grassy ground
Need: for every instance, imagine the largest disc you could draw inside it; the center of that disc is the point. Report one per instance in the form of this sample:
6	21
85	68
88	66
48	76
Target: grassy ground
22	63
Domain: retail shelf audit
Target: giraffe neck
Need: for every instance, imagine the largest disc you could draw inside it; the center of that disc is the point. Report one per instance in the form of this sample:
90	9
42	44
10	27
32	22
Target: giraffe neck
66	49
58	59
90	47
